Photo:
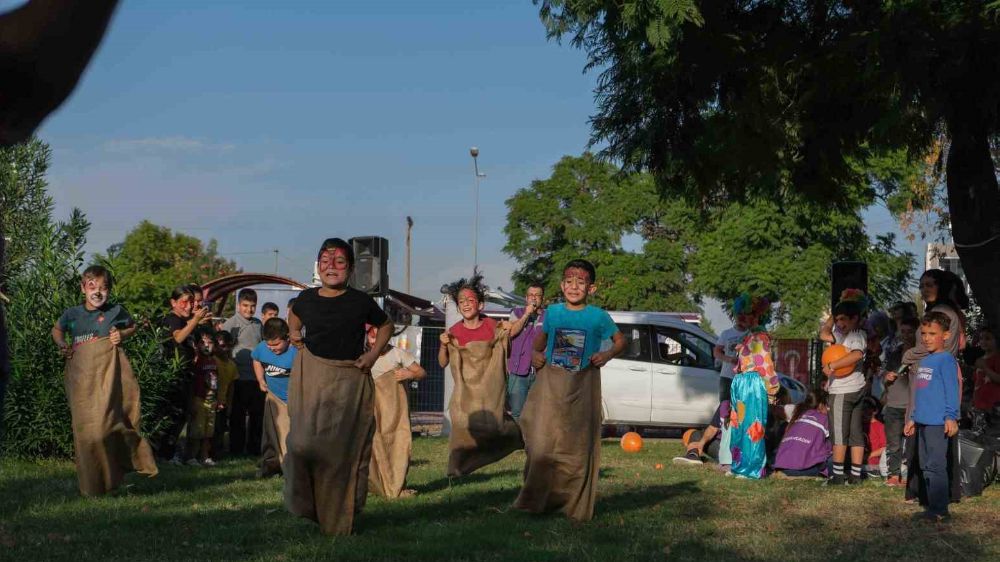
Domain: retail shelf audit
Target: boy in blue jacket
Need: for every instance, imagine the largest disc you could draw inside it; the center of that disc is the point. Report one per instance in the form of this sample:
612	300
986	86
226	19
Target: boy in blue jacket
934	414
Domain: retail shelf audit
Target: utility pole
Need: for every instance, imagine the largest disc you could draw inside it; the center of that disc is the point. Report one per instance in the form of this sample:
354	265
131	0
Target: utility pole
275	261
409	228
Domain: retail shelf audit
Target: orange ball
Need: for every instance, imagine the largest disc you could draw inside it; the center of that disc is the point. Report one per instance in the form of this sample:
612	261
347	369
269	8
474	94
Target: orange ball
631	442
659	466
834	353
686	438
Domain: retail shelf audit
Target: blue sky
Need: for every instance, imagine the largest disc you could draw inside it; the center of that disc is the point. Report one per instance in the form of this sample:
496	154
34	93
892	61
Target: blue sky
273	125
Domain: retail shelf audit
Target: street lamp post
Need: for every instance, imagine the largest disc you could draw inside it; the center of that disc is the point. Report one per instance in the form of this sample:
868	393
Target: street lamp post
474	152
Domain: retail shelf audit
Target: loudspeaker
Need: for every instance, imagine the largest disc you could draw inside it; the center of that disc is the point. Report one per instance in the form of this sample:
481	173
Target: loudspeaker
371	265
847	275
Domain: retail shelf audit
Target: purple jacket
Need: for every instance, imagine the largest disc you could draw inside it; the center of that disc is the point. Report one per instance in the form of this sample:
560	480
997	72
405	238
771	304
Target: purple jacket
806	442
519	362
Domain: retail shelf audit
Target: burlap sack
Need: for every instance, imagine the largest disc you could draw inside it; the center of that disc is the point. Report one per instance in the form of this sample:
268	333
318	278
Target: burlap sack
274	436
331	422
393	441
481	430
104	405
561	422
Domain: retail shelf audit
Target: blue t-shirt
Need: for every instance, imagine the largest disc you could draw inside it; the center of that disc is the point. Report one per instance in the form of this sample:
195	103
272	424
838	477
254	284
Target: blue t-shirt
277	368
575	335
935	394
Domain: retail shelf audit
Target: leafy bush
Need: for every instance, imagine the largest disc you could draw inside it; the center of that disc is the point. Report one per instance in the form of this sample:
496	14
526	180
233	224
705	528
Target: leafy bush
36	417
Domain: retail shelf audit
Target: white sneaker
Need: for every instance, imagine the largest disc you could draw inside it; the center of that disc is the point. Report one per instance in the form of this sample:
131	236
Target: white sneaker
176	460
692	457
208	462
193	462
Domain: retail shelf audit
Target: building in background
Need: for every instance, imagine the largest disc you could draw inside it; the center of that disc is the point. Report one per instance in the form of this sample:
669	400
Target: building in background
944	256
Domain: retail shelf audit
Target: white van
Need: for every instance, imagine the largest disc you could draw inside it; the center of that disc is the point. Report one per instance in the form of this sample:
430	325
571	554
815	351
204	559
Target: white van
667	376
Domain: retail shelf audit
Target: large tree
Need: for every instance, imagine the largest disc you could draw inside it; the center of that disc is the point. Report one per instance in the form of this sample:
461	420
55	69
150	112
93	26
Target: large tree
782	249
586	209
153	260
729	100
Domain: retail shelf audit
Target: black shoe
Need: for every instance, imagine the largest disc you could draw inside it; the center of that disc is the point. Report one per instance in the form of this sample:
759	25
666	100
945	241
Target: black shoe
836	480
853	480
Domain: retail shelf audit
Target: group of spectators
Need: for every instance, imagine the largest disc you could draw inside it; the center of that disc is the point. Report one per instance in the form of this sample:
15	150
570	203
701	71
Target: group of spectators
220	390
870	417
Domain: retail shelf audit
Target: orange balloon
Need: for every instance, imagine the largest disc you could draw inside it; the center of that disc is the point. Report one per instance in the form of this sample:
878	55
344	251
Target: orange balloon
835	352
631	442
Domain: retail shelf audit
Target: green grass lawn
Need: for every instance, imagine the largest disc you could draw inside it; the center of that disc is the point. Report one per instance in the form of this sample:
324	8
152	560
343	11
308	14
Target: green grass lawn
680	513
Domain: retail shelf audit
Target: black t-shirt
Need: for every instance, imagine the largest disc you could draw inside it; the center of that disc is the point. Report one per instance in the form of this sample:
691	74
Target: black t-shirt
172	323
335	326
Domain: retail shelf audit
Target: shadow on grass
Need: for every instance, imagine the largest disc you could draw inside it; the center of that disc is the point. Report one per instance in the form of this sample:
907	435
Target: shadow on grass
458	481
62	485
652	522
685	519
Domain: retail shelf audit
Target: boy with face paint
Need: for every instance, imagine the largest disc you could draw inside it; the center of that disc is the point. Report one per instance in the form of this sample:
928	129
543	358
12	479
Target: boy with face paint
102	392
95	318
561	419
331	395
575	315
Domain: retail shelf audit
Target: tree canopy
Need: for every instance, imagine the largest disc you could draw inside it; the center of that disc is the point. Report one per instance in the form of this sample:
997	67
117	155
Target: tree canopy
153	260
682	253
586	209
732	101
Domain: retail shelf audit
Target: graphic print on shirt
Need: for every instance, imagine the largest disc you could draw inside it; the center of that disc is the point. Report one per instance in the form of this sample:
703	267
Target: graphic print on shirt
275	370
924	376
568	349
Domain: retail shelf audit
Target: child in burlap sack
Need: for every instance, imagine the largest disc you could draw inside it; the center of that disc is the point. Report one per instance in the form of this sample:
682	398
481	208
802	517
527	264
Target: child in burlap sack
103	394
561	420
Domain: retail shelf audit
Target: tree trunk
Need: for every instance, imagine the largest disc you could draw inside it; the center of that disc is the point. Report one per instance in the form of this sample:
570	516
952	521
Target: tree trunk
974	206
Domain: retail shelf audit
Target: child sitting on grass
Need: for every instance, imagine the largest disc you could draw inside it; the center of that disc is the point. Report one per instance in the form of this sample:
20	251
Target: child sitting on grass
805	447
704	445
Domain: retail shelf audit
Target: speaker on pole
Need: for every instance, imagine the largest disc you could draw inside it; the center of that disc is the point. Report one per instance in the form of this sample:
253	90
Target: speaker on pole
847	275
371	265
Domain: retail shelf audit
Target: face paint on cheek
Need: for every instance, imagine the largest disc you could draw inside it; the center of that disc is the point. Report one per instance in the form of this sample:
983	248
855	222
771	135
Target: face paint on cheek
576	275
335	259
